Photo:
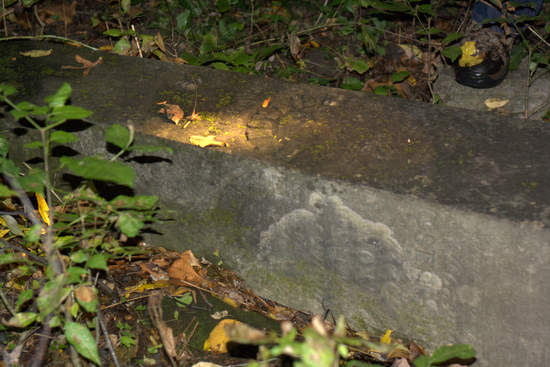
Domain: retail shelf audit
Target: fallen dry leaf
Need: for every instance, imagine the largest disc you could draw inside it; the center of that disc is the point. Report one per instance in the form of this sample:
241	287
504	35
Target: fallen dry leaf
85	294
205	141
87	65
400	362
182	269
172	111
160	42
154	306
494	103
155	275
37	53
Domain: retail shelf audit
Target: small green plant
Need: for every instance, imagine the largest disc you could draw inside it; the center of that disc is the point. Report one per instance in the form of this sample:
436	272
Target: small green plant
127	338
74	237
446	353
318	347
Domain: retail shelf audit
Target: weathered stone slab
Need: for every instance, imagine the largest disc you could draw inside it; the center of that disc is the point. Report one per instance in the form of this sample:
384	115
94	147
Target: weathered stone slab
524	97
425	219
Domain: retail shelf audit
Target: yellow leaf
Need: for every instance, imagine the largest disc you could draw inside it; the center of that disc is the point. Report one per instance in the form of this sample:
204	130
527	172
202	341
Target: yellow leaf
411	51
386	338
470	55
43	209
230	302
218	338
140	288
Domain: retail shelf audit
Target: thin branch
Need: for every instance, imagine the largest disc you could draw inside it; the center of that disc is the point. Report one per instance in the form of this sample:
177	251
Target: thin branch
48	36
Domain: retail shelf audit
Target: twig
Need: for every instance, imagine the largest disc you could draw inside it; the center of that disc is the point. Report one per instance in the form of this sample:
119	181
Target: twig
42	25
48	36
6	303
39	260
43	343
4	13
107	339
529	27
137	41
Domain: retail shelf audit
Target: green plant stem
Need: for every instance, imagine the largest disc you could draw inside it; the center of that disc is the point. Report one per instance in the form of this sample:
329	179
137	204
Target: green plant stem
6	303
48	36
130	141
14	106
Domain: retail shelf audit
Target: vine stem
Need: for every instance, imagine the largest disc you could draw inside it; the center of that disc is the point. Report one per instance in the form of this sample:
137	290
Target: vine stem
48	36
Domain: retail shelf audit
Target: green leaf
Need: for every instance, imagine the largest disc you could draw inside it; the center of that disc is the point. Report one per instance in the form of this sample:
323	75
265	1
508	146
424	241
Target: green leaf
7	167
448	352
99	169
352	83
265	52
55	322
24	296
358	65
6	191
29	3
220	66
122	46
63	241
60	97
452	52
183	20
33	181
98	261
87	299
10	258
51	295
223	5
127	341
118	135
399	76
209	43
82	340
74	309
33	235
75	274
79	256
451	37
33	145
12	225
426	9
7	90
422	361
519	52
430	31
22	319
185	299
125	5
150	148
129	224
140	202
24	109
113	32
64	113
63	137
